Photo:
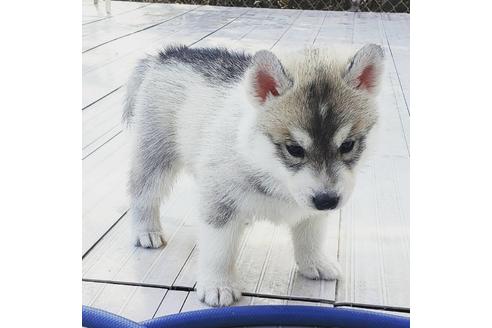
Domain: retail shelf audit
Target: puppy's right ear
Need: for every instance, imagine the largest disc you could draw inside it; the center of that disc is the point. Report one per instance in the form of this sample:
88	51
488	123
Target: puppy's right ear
266	78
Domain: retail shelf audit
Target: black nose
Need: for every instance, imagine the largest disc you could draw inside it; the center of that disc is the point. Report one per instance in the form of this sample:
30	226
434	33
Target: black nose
326	201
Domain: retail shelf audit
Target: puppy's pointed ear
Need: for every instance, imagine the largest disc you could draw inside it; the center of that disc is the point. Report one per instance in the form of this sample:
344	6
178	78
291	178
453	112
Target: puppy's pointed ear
365	69
266	78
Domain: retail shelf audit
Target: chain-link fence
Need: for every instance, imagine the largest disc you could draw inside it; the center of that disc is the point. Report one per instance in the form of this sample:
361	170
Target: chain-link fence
393	6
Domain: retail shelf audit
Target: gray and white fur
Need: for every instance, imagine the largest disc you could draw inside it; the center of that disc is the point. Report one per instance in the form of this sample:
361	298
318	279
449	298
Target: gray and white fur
276	137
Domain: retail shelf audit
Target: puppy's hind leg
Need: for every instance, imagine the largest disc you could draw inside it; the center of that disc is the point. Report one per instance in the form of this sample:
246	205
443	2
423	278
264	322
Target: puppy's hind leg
152	175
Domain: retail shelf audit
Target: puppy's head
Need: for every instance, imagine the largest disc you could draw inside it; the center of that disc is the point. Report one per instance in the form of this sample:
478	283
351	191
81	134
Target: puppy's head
314	114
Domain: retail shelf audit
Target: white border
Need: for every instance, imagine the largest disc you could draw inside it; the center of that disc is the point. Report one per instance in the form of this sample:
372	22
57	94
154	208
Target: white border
40	176
450	163
40	179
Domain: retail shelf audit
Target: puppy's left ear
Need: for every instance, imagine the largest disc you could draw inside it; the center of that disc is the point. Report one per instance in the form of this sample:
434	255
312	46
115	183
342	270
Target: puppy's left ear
266	78
365	69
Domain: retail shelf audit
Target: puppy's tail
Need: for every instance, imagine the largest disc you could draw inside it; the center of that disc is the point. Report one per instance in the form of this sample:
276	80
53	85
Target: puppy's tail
133	87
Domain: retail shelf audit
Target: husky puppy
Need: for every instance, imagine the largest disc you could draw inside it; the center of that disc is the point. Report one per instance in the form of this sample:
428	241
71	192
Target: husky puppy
269	137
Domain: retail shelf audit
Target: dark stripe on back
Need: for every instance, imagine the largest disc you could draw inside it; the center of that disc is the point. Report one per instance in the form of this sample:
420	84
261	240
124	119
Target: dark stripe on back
218	65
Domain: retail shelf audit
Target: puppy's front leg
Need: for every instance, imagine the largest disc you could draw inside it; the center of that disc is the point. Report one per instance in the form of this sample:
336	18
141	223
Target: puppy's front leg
217	256
309	237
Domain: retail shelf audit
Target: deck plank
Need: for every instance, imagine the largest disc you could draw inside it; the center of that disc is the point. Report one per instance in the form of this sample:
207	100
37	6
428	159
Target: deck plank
92	13
374	238
261	29
99	82
102	121
397	31
337	28
303	31
393	127
139	44
104	31
132	302
271	31
368	28
172	303
233	35
104	197
392	102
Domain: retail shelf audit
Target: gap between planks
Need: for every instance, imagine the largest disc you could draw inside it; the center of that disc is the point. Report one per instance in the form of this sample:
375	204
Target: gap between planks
143	29
307	301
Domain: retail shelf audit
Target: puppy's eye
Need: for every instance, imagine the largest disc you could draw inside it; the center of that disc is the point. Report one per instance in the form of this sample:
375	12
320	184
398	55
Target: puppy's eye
347	146
295	150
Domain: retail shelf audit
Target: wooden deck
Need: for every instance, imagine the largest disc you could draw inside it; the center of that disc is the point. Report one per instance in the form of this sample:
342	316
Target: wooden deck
371	234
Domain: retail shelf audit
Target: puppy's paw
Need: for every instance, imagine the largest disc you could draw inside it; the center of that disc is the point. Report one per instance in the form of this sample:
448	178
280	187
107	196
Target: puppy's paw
218	294
150	239
320	268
